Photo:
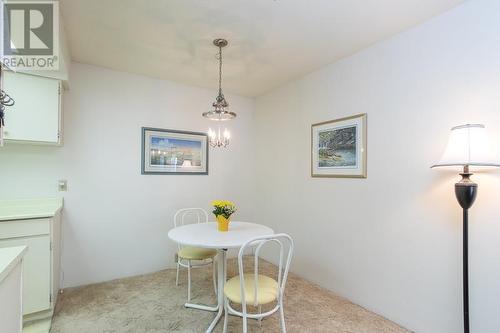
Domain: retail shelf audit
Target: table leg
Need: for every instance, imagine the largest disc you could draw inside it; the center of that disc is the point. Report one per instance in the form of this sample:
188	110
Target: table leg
221	279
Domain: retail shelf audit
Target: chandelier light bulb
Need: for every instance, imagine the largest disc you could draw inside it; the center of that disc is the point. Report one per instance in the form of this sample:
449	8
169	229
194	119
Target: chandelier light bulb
219	138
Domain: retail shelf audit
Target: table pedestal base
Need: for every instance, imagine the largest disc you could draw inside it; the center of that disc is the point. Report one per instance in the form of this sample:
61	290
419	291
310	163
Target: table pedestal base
202	307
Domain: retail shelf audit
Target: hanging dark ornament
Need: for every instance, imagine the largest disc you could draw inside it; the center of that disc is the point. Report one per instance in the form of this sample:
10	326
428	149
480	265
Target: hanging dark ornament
5	100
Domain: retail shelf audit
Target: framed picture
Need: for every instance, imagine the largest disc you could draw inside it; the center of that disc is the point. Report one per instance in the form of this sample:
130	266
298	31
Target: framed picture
338	148
169	152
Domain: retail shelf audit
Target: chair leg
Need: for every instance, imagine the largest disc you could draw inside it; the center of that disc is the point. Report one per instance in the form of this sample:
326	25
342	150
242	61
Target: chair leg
226	315
260	312
177	276
245	324
282	318
189	280
213	275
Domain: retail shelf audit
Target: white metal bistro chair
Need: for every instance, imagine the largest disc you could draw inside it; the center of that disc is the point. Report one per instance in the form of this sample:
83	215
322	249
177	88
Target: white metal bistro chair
187	254
255	289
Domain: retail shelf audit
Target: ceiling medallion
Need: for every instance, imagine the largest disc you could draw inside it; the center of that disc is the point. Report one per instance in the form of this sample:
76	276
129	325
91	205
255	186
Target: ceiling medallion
220	110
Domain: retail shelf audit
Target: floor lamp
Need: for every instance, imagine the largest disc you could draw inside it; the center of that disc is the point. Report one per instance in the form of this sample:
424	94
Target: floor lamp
468	146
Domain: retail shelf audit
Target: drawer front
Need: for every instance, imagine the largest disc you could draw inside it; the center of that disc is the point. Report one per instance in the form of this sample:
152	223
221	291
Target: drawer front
24	228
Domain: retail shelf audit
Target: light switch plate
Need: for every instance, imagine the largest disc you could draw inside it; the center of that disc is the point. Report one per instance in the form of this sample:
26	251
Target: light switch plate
63	185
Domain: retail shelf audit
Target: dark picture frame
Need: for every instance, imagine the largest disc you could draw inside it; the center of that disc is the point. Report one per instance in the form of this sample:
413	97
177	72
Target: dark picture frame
173	152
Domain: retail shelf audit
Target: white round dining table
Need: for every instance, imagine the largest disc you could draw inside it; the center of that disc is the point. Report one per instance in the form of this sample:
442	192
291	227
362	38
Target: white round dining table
206	235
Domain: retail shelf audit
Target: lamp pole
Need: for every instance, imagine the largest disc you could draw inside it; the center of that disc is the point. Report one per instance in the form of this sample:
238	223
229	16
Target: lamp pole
466	191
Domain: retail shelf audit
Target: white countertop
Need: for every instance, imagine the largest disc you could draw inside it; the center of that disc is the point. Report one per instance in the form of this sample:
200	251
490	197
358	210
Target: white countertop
9	258
29	208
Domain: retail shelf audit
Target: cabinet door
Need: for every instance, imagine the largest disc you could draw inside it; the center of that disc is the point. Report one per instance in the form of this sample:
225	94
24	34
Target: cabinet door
36	272
35	116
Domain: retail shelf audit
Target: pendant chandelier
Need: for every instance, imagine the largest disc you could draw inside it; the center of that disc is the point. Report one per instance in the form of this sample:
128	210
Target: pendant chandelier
220	112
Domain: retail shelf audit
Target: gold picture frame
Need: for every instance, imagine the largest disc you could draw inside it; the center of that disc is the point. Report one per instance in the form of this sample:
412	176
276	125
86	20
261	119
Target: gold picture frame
339	148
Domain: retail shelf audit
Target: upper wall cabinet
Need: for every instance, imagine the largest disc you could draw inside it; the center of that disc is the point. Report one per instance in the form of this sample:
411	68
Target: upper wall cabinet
36	115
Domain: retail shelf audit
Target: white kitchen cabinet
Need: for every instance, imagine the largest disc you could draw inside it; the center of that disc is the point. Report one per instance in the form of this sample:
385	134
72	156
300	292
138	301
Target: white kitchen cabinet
36	115
41	235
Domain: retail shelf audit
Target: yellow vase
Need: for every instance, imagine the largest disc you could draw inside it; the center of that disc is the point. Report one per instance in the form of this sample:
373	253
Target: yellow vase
222	223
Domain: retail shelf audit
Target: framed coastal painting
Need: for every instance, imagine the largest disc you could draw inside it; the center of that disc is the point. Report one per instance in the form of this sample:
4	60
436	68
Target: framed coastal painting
170	152
338	148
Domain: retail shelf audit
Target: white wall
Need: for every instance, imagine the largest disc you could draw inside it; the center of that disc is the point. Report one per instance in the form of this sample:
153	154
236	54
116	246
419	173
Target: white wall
392	242
115	219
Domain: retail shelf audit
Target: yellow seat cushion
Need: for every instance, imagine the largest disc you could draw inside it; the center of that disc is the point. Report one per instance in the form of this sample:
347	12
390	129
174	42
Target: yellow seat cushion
196	253
266	293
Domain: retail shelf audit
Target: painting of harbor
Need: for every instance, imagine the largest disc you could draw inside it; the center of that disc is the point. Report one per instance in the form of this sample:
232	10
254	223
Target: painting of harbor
337	147
174	152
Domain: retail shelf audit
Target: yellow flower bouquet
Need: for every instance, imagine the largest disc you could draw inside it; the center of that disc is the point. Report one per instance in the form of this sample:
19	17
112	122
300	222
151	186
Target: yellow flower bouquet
223	209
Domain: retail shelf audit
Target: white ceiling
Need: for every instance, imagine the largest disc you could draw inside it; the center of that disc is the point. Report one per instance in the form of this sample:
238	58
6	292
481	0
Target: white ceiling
271	41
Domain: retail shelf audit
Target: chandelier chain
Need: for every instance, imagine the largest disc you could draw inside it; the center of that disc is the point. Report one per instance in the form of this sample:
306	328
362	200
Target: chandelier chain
220	70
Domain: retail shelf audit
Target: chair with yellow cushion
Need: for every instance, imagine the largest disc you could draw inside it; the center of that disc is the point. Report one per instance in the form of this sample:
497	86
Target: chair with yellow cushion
255	289
191	257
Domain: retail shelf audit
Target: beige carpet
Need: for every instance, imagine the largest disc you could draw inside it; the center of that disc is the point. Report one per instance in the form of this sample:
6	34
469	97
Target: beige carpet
152	303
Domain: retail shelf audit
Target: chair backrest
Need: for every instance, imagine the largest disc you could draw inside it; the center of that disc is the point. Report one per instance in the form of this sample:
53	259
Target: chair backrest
198	215
285	245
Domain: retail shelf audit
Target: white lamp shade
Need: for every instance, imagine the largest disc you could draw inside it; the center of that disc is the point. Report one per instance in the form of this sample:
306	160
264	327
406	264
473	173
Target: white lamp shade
468	145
